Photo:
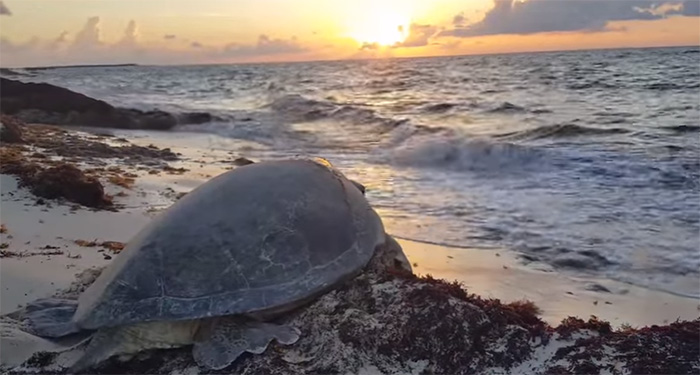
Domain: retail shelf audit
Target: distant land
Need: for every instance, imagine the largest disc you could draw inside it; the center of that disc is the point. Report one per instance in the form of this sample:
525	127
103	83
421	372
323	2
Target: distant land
78	66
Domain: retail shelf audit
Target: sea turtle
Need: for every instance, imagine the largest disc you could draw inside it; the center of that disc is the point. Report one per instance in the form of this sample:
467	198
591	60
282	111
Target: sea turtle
221	263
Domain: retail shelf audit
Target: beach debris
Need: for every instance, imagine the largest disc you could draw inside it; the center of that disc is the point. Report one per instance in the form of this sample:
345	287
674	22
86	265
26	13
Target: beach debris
171	170
10	129
85	243
24	254
59	181
4	245
399	323
595	287
3	228
113	246
69	182
125	182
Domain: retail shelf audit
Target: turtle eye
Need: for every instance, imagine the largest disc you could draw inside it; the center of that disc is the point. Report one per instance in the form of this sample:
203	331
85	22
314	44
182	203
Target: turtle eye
359	186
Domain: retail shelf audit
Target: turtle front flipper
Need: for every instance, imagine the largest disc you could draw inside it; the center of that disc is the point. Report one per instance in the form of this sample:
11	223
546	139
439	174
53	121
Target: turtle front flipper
52	317
222	340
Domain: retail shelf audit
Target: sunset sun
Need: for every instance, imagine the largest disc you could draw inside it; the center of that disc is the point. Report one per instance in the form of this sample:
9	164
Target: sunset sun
384	27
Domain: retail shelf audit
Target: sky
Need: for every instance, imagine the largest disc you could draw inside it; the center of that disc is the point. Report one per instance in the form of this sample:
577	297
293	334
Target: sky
60	32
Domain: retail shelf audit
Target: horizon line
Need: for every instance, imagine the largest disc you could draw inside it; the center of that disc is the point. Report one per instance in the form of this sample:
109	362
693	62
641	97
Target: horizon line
129	64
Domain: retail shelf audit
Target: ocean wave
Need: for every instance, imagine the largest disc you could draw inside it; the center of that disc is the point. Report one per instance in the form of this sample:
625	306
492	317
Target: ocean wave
439	107
507	107
663	86
297	108
423	147
682	128
591	85
562	131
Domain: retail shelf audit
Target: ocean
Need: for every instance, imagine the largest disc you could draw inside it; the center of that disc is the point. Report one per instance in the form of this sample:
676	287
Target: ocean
585	163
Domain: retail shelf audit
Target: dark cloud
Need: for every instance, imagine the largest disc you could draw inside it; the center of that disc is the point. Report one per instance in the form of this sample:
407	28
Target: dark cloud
169	36
196	45
691	8
536	16
4	10
419	35
459	20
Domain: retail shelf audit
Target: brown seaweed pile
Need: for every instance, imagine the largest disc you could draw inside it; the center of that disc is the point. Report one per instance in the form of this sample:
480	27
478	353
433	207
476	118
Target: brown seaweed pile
399	323
46	163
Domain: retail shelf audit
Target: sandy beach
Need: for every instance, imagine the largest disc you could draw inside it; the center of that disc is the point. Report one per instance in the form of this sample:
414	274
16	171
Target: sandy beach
46	243
492	274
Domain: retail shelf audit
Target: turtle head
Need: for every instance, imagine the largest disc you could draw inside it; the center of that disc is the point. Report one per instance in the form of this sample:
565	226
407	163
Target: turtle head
390	255
359	186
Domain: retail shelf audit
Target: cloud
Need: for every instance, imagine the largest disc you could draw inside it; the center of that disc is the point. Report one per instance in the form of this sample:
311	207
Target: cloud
130	34
689	8
366	46
88	47
418	36
89	36
264	46
4	10
537	16
459	20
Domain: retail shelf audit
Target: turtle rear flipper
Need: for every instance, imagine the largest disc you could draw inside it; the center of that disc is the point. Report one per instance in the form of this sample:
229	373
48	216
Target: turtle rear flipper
223	340
52	317
131	339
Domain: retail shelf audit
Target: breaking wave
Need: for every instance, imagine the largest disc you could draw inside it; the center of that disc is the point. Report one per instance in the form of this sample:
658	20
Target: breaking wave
424	147
297	108
561	131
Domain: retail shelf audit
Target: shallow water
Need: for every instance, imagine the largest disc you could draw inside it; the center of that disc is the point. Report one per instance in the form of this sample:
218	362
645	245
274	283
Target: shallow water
588	161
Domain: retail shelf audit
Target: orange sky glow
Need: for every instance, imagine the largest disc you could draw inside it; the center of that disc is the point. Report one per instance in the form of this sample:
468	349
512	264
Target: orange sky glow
59	32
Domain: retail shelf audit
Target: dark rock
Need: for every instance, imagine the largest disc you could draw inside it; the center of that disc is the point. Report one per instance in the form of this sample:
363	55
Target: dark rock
195	118
155	120
10	129
49	104
242	161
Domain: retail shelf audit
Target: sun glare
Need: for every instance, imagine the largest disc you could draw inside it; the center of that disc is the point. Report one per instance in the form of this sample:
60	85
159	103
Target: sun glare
380	26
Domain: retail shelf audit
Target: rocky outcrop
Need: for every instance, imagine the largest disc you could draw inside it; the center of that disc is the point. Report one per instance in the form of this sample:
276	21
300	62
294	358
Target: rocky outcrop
48	104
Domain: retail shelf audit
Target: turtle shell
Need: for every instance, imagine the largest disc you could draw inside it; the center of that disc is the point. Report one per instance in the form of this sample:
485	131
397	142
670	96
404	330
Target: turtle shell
260	237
